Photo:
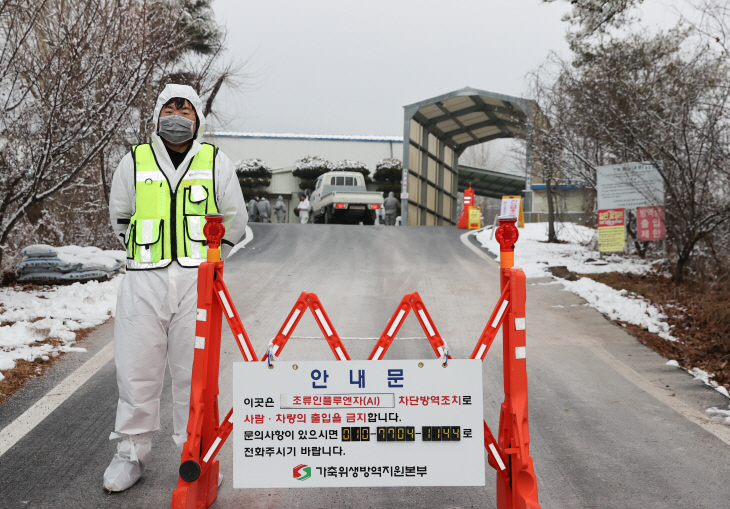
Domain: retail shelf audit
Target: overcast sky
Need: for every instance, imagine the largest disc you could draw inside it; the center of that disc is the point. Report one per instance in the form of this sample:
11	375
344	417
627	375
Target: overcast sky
349	67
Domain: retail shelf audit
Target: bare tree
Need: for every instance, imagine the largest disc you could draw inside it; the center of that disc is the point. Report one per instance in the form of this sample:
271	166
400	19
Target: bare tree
713	22
547	165
484	156
591	17
655	98
78	83
70	73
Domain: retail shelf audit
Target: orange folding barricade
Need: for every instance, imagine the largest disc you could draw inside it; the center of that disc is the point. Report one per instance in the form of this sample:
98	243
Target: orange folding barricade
509	454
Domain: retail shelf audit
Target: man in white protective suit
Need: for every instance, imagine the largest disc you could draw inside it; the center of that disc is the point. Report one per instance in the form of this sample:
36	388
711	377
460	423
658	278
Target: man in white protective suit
160	195
303	209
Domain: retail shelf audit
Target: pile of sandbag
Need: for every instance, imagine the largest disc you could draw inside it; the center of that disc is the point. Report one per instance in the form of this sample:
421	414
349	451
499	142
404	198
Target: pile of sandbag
43	263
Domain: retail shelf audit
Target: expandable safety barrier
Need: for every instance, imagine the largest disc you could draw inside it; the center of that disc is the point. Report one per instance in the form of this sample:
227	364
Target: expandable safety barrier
311	301
410	301
509	454
517	484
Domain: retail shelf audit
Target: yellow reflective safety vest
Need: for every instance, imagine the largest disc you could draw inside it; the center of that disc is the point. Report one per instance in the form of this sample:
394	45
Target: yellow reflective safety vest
168	225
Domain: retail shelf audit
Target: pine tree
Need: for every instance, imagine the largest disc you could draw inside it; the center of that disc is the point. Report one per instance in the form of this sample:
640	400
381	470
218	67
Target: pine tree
253	174
309	169
388	173
350	165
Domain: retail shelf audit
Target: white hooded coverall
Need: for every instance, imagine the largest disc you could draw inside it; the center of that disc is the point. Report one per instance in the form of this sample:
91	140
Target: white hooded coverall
303	207
280	209
156	309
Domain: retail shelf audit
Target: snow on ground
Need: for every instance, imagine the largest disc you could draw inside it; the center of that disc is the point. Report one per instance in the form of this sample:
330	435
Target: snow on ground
30	317
534	255
722	415
619	305
706	378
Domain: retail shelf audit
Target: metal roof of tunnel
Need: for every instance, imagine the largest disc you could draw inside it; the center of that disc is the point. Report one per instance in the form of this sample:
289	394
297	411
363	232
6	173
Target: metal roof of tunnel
470	116
490	183
436	132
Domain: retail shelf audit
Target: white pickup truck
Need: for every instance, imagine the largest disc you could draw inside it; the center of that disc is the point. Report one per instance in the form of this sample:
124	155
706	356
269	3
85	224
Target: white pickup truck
341	197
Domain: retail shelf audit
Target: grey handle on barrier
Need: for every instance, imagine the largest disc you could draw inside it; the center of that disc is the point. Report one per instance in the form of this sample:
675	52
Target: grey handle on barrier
494	227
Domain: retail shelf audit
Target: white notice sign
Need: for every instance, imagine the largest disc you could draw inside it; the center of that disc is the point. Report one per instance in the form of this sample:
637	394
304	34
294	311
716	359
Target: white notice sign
628	186
316	424
510	207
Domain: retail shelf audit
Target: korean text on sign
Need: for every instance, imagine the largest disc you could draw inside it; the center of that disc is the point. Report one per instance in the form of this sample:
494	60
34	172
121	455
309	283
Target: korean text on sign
358	423
650	223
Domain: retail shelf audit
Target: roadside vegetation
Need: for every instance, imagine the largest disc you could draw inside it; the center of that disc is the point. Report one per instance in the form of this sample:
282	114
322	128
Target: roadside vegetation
78	81
40	323
626	93
254	175
698	314
25	370
630	95
310	168
389	174
687	323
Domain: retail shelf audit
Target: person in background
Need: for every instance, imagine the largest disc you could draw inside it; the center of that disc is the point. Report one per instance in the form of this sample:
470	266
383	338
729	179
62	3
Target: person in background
264	210
391	205
280	210
303	208
252	208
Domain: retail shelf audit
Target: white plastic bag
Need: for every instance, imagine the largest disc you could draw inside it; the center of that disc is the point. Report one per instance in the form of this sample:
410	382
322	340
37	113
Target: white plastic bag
40	251
40	263
117	254
81	275
41	276
100	262
72	250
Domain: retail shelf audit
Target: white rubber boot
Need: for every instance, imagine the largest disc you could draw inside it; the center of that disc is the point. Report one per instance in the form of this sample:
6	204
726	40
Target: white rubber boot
128	464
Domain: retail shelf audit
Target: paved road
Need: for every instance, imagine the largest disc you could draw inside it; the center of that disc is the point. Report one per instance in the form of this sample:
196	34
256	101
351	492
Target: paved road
604	429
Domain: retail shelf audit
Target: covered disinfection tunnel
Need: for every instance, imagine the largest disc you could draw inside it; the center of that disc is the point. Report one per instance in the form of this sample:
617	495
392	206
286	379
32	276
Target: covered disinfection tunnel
436	133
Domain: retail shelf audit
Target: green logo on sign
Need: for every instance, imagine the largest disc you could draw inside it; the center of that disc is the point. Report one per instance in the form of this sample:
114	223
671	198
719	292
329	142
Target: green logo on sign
302	472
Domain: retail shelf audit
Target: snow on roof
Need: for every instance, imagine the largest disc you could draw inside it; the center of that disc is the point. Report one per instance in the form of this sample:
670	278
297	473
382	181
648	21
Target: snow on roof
249	165
295	136
350	165
312	162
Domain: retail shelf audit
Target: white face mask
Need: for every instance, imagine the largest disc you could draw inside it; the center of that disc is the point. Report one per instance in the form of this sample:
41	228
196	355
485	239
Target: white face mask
176	129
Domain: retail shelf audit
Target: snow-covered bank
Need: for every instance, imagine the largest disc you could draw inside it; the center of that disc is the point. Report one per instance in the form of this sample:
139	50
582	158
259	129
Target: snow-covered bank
619	305
707	379
720	414
30	317
579	251
579	254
